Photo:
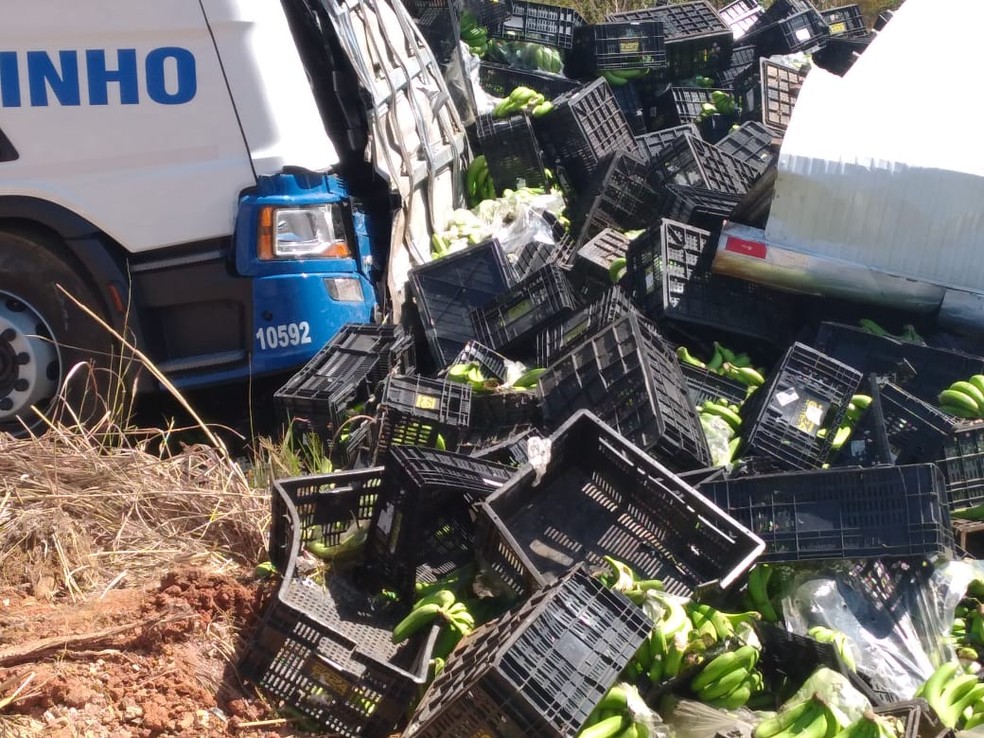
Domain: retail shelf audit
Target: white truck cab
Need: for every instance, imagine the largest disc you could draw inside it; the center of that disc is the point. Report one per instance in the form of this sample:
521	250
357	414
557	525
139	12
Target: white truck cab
204	176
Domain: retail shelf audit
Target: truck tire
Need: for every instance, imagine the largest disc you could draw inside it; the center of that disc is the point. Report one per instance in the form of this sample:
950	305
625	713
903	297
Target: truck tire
43	334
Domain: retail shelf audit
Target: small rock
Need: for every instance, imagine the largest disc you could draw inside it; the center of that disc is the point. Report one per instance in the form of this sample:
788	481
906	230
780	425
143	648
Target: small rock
132	712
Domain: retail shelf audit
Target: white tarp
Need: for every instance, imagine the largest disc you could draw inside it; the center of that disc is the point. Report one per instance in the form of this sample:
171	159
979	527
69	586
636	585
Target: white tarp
883	167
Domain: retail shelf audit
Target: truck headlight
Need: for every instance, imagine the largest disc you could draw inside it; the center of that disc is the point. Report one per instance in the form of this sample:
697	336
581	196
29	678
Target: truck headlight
310	232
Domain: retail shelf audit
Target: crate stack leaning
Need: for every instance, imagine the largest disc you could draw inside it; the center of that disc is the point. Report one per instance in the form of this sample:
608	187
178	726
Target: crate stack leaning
586	470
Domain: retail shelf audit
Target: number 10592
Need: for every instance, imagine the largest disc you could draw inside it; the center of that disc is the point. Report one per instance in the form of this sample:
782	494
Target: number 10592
282	336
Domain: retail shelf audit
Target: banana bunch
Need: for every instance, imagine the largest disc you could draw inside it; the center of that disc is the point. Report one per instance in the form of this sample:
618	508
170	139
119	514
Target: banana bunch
715	626
811	718
964	399
855	409
841	642
538	56
722	103
619	577
908	334
727	681
620	714
471	373
956	696
478	181
763	592
464	229
672	646
967	631
523	99
728	412
727	363
473	34
622	77
442	604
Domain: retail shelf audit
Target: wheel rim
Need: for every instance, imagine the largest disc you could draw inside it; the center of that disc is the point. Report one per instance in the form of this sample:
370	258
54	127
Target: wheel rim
30	369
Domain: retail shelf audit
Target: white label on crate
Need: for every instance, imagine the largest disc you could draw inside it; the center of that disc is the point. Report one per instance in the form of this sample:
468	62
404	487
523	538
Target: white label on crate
538	452
786	397
386	519
814	413
802	34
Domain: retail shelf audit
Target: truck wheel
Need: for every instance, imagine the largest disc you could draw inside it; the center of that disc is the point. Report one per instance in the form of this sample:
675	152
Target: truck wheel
43	334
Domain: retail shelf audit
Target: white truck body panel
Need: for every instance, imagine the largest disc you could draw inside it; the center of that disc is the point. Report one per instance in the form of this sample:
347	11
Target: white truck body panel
879	190
180	149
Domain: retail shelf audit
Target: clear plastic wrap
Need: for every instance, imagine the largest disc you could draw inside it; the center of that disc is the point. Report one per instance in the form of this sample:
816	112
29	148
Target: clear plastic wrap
527	55
692	719
897	615
718	434
846	702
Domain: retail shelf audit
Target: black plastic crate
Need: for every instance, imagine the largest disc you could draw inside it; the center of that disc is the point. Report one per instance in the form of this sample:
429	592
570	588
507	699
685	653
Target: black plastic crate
554	342
780	10
326	650
839	53
962	463
439	26
698	41
510	322
585	127
704	385
629	377
806	393
741	15
493	364
678	105
597	256
540	670
623	197
751	143
488	13
514	155
537	254
845	21
630	103
500	79
883	18
654	142
693	162
801	31
636	44
696	206
423	528
510	451
914	431
447	289
417	411
883	512
919	720
780	88
599	494
541	23
669	270
920	370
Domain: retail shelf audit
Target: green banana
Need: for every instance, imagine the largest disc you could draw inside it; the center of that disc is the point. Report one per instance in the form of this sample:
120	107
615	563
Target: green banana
684	355
758	589
745	374
607	728
725	684
443	598
746	656
959	400
978	381
721	411
969	388
736	698
785	719
613	79
417	619
624	576
872	327
717	359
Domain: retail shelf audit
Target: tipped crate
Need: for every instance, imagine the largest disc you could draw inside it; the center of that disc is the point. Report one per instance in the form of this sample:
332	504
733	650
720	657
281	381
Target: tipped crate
630	103
538	671
636	44
500	79
919	720
808	392
584	128
559	339
845	21
510	322
839	53
698	41
883	512
799	32
540	23
510	451
514	154
914	431
669	270
780	88
654	142
693	162
439	26
342	376
678	105
447	289
704	385
962	463
696	206
488	13
629	377
593	266
416	411
326	651
920	370
623	197
422	527
599	495
741	15
751	143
